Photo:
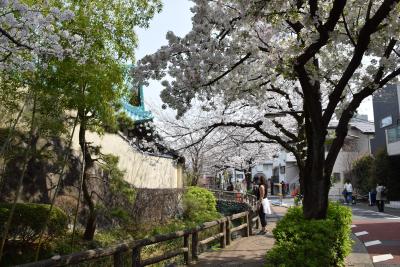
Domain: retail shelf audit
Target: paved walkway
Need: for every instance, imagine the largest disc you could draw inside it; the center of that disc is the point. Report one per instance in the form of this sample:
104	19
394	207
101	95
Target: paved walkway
249	251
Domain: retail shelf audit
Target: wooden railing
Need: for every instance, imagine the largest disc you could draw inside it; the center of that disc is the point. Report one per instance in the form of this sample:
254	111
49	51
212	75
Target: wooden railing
189	248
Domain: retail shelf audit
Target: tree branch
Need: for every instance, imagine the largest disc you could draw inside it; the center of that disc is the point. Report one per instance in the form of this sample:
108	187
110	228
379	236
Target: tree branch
13	40
243	59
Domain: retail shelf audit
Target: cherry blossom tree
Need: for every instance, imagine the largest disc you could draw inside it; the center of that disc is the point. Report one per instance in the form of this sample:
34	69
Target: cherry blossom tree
28	32
266	54
209	149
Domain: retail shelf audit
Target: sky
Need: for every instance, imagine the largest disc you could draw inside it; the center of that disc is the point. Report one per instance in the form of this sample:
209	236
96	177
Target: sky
176	17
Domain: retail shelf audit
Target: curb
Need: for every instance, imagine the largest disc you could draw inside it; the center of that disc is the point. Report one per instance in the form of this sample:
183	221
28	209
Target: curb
359	255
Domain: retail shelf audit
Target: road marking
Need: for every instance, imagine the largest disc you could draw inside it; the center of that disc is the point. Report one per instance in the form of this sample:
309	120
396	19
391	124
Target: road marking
371	243
353	225
383	257
361	233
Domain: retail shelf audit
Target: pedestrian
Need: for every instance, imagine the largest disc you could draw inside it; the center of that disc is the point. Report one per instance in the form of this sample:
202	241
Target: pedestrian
255	186
283	188
271	186
348	188
230	187
262	194
381	196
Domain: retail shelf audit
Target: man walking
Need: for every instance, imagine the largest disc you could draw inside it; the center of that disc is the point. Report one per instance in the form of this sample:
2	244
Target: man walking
349	191
380	197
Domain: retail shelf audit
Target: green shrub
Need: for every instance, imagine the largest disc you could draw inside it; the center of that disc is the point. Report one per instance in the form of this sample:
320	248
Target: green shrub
199	205
301	242
29	219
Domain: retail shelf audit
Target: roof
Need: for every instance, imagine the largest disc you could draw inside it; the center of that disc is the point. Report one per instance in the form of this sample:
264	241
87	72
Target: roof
364	126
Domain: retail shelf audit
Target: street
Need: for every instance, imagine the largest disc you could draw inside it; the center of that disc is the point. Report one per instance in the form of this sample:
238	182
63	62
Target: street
380	233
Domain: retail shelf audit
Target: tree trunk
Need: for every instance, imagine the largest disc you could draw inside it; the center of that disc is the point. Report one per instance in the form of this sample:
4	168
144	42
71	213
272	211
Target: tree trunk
91	221
35	178
92	218
316	185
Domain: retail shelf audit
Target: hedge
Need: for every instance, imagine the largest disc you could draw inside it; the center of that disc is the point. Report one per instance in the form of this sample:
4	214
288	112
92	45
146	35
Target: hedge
301	242
200	205
29	219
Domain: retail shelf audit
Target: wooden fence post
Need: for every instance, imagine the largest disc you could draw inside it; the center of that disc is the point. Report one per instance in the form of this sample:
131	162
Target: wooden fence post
186	244
247	229
258	223
222	242
118	259
228	232
136	256
195	245
250	220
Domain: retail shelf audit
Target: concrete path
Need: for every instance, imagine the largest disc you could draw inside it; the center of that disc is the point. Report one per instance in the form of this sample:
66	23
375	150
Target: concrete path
249	251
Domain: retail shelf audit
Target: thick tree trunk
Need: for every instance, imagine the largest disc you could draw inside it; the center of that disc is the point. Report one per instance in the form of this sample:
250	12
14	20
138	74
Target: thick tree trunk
316	186
91	221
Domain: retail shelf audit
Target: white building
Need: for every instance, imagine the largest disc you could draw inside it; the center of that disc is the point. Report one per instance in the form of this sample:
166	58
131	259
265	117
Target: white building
282	168
230	175
356	145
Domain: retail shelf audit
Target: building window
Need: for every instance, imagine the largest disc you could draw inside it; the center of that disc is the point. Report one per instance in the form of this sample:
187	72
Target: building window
336	177
386	121
393	134
282	169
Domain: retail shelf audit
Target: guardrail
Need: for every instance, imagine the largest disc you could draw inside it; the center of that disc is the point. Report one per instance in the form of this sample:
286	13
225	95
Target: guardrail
189	250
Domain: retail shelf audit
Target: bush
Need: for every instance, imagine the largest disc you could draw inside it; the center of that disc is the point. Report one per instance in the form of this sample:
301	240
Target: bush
361	172
29	219
301	242
199	205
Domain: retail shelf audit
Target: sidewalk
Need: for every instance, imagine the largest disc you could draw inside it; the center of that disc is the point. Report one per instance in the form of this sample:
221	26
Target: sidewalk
243	252
251	251
359	257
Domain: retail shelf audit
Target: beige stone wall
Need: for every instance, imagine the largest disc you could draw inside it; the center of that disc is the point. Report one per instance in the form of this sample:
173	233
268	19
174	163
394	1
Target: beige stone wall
141	170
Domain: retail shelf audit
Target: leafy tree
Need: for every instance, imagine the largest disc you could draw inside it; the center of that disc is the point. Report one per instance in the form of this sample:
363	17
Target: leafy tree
309	61
385	169
94	83
361	173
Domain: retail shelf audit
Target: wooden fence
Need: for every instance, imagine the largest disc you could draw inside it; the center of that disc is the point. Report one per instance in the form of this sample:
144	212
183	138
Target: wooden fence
190	247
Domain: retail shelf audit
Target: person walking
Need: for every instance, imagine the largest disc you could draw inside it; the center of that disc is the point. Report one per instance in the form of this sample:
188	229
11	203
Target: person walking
262	194
381	196
348	188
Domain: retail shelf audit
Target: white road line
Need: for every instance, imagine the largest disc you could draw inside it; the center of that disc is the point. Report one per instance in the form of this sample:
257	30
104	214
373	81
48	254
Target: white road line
361	233
353	225
383	257
371	243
